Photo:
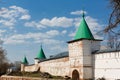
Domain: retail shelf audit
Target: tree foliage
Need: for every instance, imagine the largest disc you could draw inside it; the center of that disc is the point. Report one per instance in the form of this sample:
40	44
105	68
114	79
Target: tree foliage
114	19
3	60
113	28
17	64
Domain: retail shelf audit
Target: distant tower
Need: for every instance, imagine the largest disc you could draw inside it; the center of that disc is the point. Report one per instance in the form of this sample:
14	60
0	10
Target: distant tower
40	56
24	63
80	52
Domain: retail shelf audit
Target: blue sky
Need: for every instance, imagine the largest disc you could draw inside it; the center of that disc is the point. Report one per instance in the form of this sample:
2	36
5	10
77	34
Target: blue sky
25	24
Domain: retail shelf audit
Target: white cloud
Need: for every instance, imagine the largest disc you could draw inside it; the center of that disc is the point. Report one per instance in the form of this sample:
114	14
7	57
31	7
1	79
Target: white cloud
51	42
57	21
59	48
9	23
52	33
35	37
54	22
14	12
78	12
72	34
64	32
34	24
9	41
9	16
1	32
19	9
25	17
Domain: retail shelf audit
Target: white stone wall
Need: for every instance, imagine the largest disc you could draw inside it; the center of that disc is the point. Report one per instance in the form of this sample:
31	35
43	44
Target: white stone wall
36	61
57	67
81	58
107	65
75	49
89	46
76	57
31	68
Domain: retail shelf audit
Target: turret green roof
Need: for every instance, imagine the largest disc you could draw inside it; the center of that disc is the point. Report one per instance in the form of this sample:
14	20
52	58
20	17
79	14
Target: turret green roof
41	54
83	31
25	61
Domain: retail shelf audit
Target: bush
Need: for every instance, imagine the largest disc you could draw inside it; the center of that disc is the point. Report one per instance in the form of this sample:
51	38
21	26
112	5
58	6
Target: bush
101	78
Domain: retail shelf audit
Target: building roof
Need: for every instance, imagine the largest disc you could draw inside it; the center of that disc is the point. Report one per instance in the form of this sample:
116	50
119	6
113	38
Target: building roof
82	39
83	31
60	55
105	51
57	56
25	61
41	54
66	54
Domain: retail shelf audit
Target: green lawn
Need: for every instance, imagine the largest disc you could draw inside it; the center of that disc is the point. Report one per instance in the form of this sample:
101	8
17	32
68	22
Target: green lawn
35	74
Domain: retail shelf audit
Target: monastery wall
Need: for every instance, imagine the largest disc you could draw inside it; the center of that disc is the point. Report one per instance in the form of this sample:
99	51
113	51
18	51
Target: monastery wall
89	46
31	68
107	65
58	67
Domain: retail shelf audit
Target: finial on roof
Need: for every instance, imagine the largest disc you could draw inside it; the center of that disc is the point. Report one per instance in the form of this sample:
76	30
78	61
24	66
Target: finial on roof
41	45
83	14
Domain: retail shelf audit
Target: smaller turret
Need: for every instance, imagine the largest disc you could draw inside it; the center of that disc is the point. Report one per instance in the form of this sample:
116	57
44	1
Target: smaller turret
24	63
40	56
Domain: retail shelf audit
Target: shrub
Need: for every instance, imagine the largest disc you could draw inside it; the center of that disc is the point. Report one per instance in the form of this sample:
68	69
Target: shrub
101	78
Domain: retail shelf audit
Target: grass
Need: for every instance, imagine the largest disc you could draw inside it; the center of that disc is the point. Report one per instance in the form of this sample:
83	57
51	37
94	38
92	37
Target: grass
35	74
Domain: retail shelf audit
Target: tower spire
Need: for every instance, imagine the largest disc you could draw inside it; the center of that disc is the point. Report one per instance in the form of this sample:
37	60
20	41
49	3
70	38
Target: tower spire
41	54
25	61
83	31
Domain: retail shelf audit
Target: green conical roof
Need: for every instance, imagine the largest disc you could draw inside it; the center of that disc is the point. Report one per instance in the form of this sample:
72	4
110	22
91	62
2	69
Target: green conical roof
25	61
83	31
41	54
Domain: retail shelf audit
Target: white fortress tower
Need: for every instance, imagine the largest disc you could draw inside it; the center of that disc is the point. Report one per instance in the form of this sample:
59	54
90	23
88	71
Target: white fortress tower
80	53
